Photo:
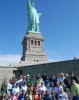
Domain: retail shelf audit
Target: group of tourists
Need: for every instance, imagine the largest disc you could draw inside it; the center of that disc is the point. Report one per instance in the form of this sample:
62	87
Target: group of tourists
41	87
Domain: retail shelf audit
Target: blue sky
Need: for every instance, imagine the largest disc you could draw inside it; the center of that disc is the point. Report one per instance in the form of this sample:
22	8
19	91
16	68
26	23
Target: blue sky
59	24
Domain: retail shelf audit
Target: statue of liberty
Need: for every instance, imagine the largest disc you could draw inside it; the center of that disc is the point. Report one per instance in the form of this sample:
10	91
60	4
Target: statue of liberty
33	18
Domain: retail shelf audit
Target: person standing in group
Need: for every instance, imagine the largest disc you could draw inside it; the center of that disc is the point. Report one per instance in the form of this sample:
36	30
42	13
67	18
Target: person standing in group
36	96
63	95
48	95
75	90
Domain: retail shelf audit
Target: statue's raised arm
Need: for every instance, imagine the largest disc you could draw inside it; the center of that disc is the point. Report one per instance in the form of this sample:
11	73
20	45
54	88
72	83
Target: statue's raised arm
33	17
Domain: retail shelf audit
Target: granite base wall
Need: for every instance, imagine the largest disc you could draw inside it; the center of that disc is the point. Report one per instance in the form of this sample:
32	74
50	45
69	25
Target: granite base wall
6	72
56	67
48	68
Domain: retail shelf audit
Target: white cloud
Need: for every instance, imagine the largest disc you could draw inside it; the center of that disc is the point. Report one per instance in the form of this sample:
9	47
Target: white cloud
7	59
52	60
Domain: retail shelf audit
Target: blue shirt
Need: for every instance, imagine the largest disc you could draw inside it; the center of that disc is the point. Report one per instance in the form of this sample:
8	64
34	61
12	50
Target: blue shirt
21	97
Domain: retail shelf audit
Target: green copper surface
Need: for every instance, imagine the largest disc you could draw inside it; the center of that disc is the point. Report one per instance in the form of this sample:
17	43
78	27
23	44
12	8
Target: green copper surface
33	18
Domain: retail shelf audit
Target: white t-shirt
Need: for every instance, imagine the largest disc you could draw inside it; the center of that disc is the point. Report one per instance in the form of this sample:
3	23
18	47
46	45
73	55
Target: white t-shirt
15	90
42	88
57	89
20	80
63	96
24	88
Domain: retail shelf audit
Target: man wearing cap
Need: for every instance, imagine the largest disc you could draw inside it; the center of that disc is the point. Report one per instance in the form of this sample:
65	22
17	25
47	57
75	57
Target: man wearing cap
28	79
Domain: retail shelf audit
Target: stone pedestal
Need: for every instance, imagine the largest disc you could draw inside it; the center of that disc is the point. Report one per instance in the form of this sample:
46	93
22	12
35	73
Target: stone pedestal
33	49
